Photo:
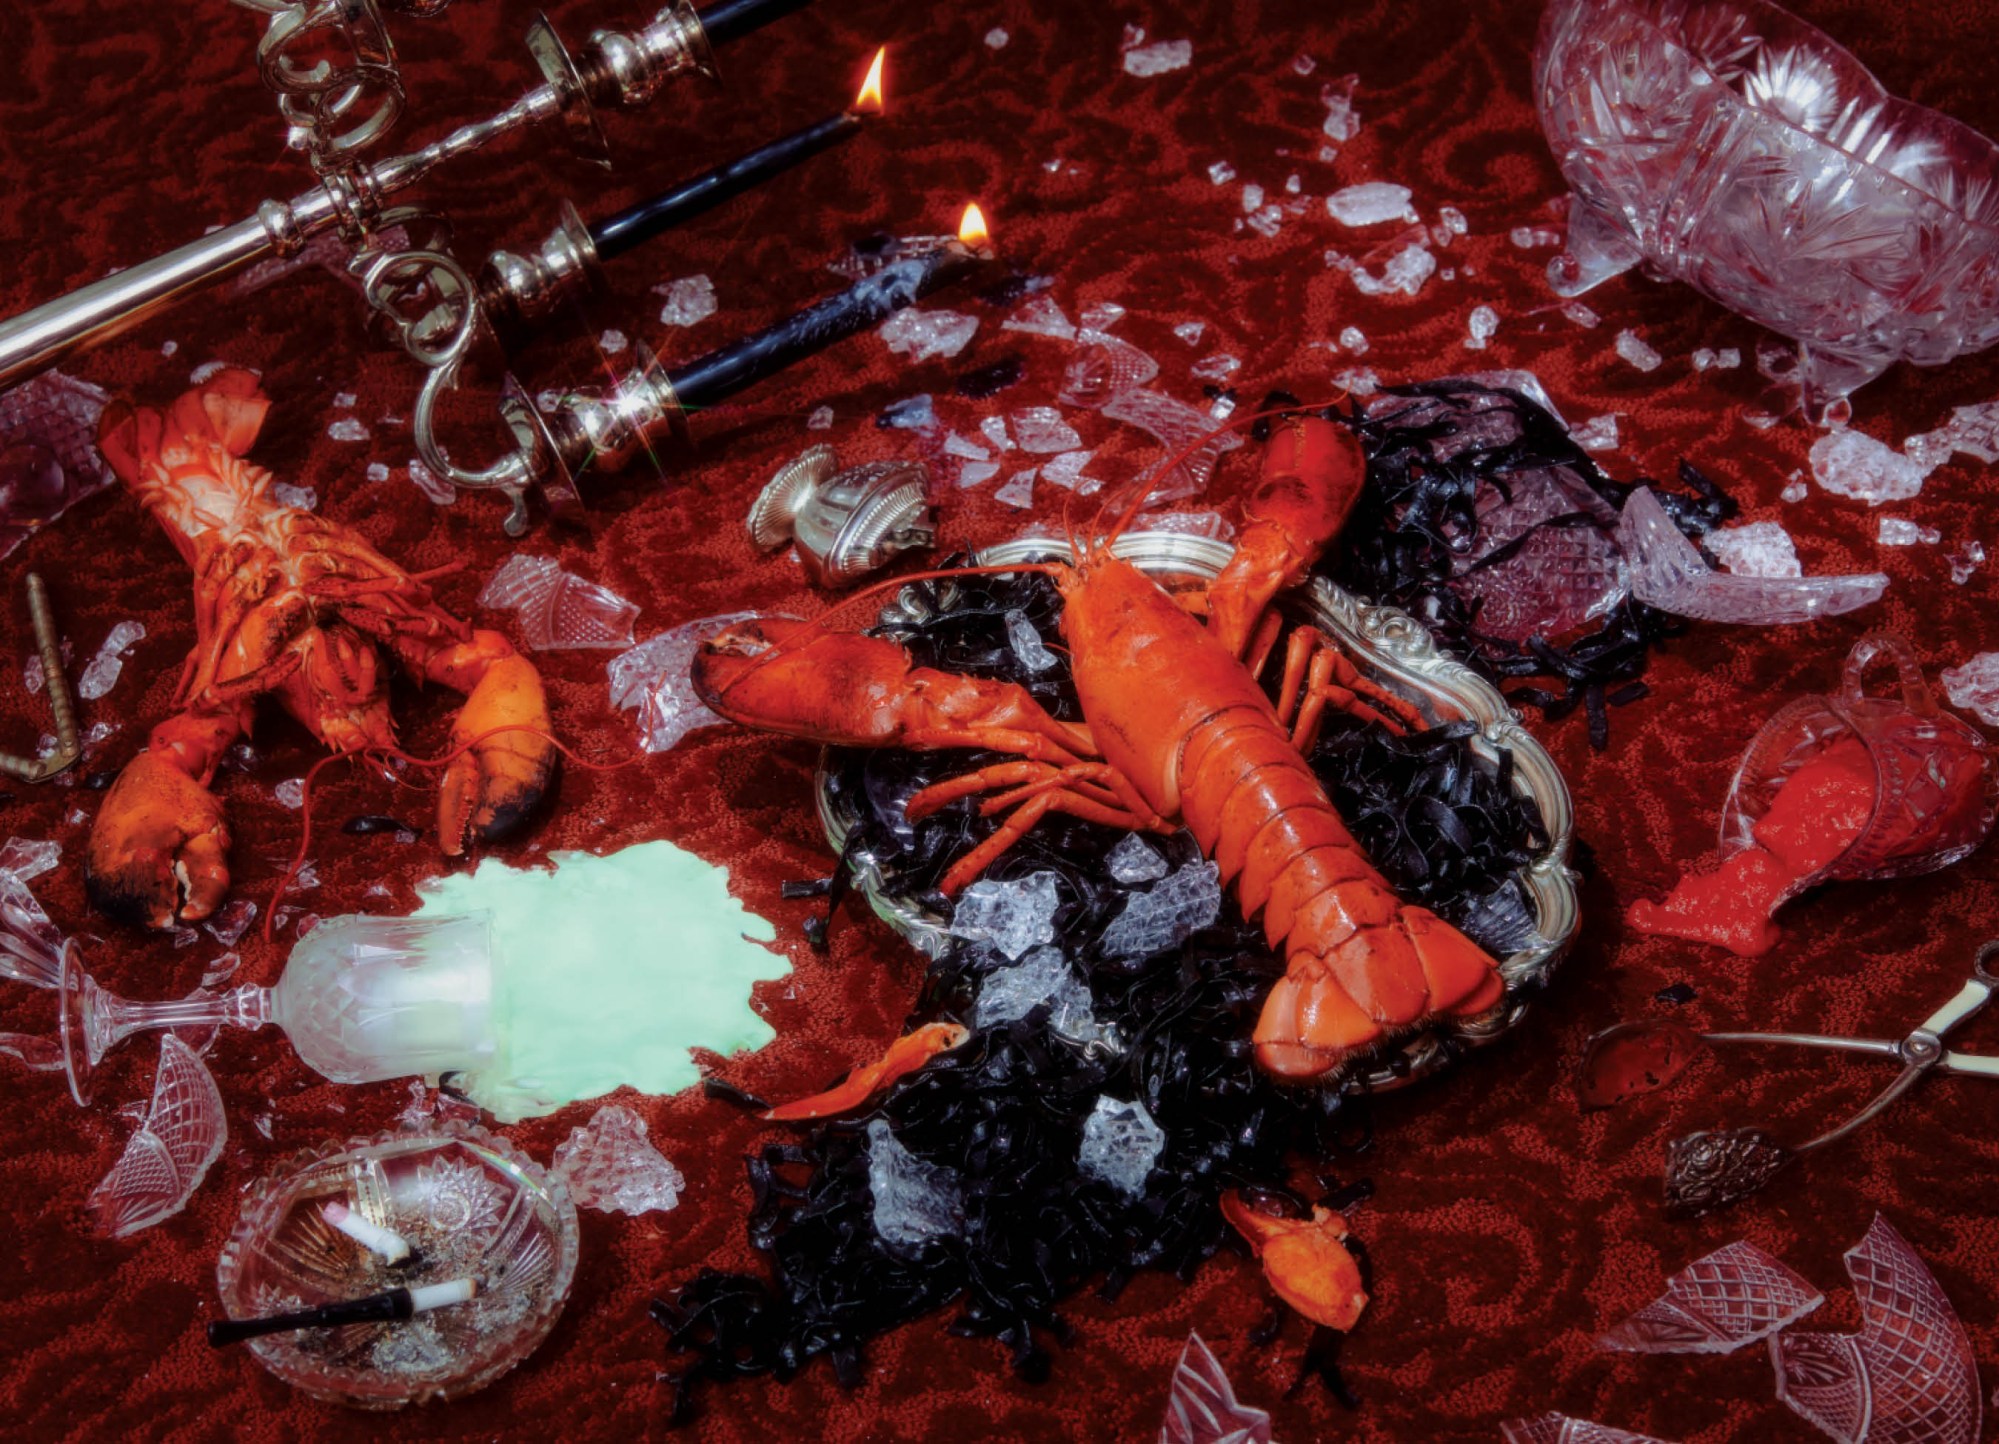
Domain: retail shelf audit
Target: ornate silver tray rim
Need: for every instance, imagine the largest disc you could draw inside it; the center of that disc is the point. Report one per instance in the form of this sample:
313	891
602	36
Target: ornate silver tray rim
1391	647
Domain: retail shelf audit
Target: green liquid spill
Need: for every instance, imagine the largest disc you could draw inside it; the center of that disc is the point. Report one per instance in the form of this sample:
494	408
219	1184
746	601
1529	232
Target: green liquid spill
608	970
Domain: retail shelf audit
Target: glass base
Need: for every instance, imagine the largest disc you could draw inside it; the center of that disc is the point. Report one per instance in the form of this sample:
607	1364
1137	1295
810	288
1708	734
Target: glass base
75	995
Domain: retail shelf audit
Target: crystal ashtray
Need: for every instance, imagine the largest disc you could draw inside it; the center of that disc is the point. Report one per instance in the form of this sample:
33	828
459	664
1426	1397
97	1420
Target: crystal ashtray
1734	147
1390	648
466	1201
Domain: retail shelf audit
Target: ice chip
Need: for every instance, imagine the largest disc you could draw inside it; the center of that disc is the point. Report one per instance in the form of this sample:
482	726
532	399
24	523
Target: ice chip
1191	332
290	793
1121	1145
1668	573
1759	549
1042	429
1357	381
347	428
1221	173
915	1202
1370	204
821	419
1716	1304
1966	560
165	1161
1201	1407
1040	316
1404	274
1252	198
558	610
1582	315
1353	339
610	1165
378	471
1044	976
653	677
433	486
1974	687
612	342
299	498
1342	121
1217	368
1174	910
923	335
1012	916
1482	325
1267	220
912	413
1528	237
1159	57
1632	347
1134	860
996	38
689	301
1018	490
101	675
1599	433
1795	492
1852	463
1028	647
1898	531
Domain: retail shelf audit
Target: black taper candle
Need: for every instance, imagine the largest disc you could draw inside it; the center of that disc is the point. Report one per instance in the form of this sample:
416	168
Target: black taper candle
614	235
733	18
864	304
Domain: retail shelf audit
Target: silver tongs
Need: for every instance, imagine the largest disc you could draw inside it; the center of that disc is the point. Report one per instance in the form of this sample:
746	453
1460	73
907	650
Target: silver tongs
1711	1170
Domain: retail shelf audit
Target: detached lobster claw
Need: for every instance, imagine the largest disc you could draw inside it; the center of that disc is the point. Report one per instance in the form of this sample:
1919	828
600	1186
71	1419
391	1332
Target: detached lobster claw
1304	1260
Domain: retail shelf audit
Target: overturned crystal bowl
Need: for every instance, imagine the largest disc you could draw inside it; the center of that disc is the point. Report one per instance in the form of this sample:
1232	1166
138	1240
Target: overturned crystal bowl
466	1201
1732	146
1391	649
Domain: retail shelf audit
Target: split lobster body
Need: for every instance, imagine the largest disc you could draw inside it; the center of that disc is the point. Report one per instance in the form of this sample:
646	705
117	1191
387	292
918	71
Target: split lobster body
1176	729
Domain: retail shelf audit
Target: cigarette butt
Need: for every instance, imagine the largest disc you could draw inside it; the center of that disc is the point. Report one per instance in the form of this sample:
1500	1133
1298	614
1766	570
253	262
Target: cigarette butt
371	1236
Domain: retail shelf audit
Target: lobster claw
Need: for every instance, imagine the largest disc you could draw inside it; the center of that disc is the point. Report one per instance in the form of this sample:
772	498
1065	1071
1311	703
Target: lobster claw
505	753
1304	1260
159	850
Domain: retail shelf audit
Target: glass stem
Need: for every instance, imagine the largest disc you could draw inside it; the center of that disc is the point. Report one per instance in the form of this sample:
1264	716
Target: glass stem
249	1006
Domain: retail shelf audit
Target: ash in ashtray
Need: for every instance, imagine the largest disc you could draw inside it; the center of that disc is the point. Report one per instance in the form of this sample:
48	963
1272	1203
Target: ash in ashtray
1108	1095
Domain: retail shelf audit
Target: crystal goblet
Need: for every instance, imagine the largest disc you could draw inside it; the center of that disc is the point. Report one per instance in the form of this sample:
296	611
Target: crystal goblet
361	998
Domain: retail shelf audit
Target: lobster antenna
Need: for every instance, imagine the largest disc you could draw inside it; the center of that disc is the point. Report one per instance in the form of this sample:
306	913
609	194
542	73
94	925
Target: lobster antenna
1145	483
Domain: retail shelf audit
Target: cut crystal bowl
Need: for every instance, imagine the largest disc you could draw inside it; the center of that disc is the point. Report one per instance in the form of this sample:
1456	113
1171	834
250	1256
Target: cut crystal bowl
1732	146
468	1202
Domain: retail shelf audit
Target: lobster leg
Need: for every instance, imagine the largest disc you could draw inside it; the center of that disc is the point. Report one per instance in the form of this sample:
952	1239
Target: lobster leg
1018	824
1318	672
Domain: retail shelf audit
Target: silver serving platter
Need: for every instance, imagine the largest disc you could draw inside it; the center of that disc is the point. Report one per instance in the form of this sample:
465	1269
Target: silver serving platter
1394	650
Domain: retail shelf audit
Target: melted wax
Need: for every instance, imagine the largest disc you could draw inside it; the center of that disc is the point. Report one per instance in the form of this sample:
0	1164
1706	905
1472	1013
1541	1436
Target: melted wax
609	970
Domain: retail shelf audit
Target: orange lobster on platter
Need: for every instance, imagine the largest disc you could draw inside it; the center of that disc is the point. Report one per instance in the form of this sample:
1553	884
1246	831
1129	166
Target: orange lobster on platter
290	604
1176	730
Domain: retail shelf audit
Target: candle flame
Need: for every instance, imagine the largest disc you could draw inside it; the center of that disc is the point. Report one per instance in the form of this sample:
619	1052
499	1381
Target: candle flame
869	101
972	229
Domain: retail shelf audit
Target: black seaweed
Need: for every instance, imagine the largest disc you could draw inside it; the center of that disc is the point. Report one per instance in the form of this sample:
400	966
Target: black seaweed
990	380
1005	1112
1417	514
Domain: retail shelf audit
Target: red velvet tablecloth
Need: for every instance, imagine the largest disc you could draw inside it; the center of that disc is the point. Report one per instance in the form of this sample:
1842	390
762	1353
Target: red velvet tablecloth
1508	1229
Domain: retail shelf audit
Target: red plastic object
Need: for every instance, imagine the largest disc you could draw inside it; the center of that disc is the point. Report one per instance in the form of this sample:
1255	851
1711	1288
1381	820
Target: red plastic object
1832	789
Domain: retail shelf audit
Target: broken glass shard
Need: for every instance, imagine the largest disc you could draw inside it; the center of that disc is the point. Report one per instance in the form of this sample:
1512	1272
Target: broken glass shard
912	413
1210	524
1040	316
1599	433
1908	1376
1135	860
1176	426
1965	560
994	430
965	448
922	335
347	428
1267	220
1043	976
1404	274
1528	237
1013	916
1353	339
1759	549
1066	471
434	487
915	1202
101	675
1159	57
1370	204
1974	687
30	945
1201	1407
26	859
1582	315
1042	429
1221	173
654	678
1218	367
1121	1145
165	1161
231	921
1852	463
977	473
1342	121
557	609
1633	348
821	419
1028	648
611	1165
1191	332
1483	325
688	301
1102	369
1667	572
1173	911
1897	531
1716	1304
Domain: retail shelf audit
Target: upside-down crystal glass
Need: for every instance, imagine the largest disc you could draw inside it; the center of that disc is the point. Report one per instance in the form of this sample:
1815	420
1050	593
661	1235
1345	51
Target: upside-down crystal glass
1736	148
